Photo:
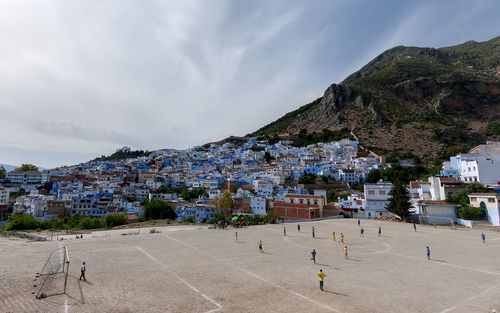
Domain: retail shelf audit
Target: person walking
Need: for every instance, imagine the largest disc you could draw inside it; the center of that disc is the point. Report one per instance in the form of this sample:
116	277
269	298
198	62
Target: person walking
313	231
298	228
83	270
359	222
284	230
236	235
415	227
313	255
345	253
260	247
379	231
321	276
333	236
483	237
428	253
362	232
342	237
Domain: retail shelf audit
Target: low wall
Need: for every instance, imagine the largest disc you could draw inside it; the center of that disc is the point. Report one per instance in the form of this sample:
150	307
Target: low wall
466	223
312	219
42	238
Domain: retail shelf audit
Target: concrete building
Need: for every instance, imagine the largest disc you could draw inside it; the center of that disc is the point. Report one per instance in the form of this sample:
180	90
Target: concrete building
4	195
376	199
24	178
439	212
490	202
443	187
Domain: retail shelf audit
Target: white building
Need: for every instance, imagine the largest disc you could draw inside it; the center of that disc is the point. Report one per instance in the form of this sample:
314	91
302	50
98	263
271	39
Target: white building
258	206
442	187
490	202
481	164
376	199
21	178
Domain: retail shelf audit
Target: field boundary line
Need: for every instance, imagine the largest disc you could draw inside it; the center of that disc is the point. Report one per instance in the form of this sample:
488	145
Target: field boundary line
253	275
219	307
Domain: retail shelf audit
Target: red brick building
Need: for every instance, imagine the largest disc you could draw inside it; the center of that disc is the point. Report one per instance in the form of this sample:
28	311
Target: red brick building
295	211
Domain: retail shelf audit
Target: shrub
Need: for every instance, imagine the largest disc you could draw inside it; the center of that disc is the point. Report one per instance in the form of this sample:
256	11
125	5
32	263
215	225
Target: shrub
189	219
113	220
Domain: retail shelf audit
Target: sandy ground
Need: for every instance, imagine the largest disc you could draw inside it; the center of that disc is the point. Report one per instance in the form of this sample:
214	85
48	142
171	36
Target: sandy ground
188	269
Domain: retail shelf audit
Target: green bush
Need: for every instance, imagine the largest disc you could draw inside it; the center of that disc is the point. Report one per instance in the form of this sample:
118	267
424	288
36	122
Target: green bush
470	213
189	219
113	220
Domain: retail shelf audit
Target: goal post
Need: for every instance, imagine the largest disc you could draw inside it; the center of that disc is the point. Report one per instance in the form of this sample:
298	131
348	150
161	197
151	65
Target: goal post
54	274
436	221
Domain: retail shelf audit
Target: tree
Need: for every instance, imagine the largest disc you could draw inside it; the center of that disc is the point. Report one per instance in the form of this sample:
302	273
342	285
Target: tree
26	168
158	209
2	172
268	157
373	176
399	204
223	205
331	196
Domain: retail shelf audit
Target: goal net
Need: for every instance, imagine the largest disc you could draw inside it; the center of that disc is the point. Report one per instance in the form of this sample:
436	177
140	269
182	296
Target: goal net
54	274
437	221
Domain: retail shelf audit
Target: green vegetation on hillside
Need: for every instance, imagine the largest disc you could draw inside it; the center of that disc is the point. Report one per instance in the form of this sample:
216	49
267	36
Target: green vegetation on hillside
121	155
158	209
493	128
303	138
282	123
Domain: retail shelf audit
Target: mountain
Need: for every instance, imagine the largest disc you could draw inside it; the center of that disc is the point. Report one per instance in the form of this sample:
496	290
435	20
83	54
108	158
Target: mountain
8	168
424	101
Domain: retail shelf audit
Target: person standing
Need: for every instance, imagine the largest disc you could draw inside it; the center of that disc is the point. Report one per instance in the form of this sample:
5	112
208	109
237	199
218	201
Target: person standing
379	231
342	237
260	247
236	235
298	228
428	253
362	232
333	236
313	231
313	255
359	222
415	227
284	230
483	237
321	276
83	270
345	253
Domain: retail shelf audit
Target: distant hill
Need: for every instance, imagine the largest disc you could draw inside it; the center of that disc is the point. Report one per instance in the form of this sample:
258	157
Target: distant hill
424	101
8	168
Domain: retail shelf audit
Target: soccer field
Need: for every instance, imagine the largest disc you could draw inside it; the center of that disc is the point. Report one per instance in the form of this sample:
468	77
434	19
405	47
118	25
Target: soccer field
188	269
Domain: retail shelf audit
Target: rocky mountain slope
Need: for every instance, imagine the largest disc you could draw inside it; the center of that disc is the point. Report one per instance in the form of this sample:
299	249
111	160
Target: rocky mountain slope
430	102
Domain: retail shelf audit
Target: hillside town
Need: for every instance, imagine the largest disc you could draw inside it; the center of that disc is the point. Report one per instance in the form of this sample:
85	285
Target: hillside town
294	183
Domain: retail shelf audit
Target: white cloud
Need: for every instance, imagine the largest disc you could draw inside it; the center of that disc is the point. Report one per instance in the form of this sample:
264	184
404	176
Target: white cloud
80	78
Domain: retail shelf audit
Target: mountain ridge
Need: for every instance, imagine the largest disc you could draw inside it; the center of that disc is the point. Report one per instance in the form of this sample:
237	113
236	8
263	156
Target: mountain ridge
426	101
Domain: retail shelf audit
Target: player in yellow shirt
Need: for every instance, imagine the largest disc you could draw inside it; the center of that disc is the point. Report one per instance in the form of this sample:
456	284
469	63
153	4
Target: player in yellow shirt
345	253
333	236
321	276
236	235
342	237
260	247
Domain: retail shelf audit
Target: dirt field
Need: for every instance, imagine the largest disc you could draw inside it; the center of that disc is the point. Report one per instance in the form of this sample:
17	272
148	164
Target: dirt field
185	269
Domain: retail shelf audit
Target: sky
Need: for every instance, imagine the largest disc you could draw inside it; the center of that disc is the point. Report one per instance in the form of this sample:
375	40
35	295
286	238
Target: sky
81	78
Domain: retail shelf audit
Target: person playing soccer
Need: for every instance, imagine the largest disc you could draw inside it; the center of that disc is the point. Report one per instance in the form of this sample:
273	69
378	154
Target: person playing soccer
342	237
298	228
359	222
236	235
260	247
313	231
415	227
284	230
345	253
428	253
362	232
379	231
333	236
483	237
313	255
321	276
83	270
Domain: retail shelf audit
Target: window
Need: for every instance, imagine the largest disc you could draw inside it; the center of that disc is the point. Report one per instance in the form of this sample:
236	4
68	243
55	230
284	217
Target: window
381	192
491	200
473	199
371	192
